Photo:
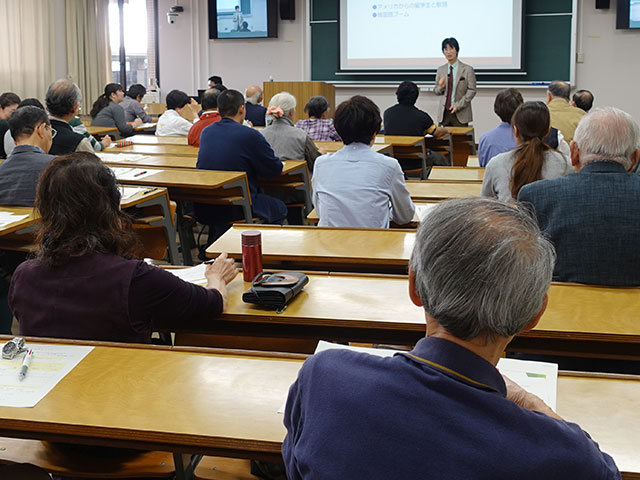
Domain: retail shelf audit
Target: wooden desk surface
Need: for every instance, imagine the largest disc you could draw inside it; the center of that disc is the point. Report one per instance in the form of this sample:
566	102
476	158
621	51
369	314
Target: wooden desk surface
189	163
154	140
398	140
331	147
433	190
200	179
15	226
226	404
208	403
101	130
421	210
460	130
179	150
321	245
457	174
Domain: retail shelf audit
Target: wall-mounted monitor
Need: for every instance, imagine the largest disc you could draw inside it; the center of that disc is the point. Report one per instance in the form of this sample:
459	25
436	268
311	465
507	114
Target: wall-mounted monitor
243	18
628	14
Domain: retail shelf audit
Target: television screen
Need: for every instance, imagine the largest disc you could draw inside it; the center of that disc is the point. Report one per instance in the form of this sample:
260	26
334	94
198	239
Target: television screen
243	18
628	14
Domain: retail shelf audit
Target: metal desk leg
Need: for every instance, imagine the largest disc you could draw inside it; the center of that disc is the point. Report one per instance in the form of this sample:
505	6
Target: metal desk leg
185	465
245	203
184	234
307	191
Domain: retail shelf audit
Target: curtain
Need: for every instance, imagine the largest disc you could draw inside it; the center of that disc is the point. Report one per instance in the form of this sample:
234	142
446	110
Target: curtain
27	56
88	49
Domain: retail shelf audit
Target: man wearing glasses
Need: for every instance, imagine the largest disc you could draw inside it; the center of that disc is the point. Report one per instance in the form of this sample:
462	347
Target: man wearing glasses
19	173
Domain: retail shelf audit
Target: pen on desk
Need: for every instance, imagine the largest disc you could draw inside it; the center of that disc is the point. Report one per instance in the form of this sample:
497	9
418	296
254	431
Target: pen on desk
25	364
140	173
150	190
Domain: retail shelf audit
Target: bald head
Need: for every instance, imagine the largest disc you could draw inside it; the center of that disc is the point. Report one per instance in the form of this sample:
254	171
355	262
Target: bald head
63	99
253	94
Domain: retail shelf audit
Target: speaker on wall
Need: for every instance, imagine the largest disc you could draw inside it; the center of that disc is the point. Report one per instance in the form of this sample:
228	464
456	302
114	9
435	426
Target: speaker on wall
602	4
287	9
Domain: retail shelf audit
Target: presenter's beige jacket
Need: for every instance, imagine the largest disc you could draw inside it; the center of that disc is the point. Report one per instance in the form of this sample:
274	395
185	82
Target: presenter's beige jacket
464	93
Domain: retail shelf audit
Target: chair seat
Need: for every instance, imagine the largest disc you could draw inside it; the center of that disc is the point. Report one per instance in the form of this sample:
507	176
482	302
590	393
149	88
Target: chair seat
220	468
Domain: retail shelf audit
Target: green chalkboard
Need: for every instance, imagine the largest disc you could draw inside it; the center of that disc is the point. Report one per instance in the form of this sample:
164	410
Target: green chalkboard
546	47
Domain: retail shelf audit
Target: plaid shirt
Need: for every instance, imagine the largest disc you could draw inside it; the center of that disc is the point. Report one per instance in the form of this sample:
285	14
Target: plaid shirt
319	129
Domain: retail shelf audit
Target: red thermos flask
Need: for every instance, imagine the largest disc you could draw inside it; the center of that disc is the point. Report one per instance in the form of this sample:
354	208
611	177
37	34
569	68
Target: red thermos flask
251	254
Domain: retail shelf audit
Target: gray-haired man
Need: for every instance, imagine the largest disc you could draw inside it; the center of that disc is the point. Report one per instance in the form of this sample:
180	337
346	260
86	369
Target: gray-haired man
592	217
481	269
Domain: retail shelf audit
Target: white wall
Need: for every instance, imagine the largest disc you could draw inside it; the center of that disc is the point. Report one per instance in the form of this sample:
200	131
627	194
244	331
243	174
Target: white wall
610	70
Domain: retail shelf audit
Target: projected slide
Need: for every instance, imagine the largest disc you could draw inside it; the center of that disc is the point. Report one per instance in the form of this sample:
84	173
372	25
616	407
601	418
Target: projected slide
238	19
382	34
634	14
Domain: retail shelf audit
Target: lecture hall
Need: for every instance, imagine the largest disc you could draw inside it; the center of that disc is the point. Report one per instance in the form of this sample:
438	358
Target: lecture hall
319	239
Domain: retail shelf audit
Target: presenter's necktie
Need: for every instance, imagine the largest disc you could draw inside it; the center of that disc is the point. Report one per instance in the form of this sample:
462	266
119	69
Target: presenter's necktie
447	104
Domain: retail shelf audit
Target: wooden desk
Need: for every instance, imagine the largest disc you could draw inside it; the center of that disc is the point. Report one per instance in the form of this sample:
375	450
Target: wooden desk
463	144
204	186
227	405
93	130
332	147
159	149
579	320
432	190
371	250
421	210
154	140
19	225
157	197
183	402
457	174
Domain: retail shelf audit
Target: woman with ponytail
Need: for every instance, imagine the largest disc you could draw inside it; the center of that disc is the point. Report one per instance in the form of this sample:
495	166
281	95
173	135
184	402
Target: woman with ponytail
531	161
106	111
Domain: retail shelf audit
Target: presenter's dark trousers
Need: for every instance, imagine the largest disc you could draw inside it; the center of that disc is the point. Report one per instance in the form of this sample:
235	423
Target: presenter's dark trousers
451	120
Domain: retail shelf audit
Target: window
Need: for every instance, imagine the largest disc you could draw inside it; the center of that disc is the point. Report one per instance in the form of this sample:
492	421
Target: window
133	42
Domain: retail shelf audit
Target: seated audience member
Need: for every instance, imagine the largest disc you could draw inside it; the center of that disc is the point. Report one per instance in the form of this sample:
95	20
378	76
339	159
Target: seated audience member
583	99
8	103
63	103
107	111
19	175
532	160
216	82
318	126
98	145
84	284
288	142
209	115
132	104
355	186
179	116
229	145
9	143
255	112
20	172
501	139
564	117
405	119
592	217
481	270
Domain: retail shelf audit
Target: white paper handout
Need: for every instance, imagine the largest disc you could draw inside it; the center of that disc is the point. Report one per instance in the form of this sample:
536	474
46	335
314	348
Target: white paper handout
192	274
124	174
121	157
130	192
7	218
539	378
50	364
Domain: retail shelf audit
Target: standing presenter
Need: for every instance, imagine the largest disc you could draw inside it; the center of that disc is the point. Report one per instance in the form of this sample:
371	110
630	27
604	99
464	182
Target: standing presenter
456	83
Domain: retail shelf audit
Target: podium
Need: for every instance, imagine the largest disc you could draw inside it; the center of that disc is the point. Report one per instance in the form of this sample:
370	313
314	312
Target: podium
303	91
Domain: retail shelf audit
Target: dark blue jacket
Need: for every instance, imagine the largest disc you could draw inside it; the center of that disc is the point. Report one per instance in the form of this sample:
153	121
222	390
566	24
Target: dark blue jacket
592	218
438	412
255	114
230	146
